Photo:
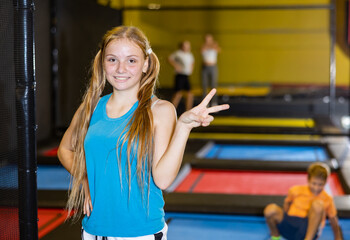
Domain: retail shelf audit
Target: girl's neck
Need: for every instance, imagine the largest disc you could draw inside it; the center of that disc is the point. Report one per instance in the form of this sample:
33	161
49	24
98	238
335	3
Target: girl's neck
123	98
118	104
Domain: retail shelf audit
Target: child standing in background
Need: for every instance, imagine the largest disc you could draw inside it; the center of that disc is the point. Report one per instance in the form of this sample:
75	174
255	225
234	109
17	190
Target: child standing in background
183	62
210	50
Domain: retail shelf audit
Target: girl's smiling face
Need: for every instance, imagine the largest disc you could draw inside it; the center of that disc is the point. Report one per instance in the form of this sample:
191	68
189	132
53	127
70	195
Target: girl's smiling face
124	62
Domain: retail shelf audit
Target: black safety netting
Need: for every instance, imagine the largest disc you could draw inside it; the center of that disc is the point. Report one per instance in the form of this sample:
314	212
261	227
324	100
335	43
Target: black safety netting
9	221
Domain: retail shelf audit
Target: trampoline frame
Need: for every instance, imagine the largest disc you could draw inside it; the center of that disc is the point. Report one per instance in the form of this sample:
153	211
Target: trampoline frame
255	164
233	203
320	129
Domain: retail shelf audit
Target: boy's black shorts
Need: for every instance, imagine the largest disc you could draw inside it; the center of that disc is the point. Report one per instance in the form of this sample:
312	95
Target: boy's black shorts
293	227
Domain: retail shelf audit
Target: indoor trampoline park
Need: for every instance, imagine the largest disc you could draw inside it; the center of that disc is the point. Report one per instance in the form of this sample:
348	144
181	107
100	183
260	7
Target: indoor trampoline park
88	93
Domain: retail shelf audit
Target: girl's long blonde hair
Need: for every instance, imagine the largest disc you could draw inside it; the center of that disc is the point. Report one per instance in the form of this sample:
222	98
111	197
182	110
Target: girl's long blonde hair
140	128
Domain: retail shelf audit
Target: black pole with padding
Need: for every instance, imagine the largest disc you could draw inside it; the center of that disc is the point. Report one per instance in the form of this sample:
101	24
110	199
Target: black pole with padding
26	126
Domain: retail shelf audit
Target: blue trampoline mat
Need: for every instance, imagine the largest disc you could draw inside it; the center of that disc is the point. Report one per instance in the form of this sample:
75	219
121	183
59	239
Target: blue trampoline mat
227	227
48	177
271	153
53	178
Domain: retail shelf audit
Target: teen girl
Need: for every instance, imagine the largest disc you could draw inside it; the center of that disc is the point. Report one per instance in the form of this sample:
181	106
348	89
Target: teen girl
126	147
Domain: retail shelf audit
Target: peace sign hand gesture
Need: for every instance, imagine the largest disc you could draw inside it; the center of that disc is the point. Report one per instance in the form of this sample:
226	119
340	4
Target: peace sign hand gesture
199	115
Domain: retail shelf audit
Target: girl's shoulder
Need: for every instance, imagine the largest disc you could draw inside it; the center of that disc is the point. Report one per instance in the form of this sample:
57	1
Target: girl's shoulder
162	110
159	105
102	101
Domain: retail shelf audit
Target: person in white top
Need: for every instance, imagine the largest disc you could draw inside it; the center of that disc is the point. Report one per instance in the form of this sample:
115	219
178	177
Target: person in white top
183	61
210	50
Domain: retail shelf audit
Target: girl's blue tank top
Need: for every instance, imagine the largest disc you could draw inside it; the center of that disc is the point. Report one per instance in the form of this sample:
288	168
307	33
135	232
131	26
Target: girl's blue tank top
116	213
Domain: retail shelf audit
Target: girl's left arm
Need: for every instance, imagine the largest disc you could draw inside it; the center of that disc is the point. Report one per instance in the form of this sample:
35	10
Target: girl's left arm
170	136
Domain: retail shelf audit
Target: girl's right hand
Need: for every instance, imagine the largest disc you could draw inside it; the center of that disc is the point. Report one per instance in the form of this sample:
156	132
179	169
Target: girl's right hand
87	207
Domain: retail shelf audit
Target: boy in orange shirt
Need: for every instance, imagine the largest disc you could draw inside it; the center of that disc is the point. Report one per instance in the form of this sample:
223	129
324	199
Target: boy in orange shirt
305	209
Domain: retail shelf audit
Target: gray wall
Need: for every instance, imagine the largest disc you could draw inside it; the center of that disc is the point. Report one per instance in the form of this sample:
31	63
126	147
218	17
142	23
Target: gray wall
80	27
43	68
